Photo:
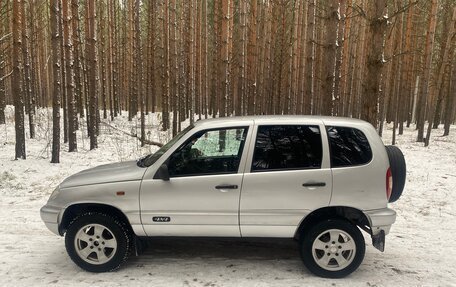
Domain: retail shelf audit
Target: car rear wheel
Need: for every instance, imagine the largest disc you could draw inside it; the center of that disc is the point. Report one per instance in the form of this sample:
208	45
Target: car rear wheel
97	242
333	248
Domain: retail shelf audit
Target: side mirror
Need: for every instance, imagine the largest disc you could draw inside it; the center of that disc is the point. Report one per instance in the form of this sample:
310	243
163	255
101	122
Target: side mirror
162	172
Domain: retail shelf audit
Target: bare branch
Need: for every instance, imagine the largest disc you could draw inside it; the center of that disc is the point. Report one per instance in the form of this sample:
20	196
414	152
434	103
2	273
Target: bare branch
4	37
414	51
149	142
403	9
6	76
359	10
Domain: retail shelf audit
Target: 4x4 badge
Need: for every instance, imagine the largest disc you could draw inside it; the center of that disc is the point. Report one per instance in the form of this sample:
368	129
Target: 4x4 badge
161	219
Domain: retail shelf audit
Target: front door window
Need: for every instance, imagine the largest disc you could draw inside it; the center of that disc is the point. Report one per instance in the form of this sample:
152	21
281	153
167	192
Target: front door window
209	152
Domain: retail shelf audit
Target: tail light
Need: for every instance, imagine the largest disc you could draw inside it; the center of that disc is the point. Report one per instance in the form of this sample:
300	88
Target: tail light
389	183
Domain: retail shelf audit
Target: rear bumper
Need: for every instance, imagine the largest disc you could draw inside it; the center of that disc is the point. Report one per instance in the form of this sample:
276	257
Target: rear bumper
50	215
381	219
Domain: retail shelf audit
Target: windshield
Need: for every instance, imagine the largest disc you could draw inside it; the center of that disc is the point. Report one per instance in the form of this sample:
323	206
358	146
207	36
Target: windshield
152	158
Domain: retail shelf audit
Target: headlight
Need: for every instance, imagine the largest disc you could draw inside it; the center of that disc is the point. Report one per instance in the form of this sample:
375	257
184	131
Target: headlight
55	193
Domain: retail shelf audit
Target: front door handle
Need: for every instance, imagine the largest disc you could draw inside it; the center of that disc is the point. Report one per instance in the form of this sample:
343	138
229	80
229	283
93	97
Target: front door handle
227	186
314	184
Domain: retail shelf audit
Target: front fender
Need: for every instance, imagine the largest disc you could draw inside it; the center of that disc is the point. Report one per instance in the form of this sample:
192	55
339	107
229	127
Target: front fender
123	196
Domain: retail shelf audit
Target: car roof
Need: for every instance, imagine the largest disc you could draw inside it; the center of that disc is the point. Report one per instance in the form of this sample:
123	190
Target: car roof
277	119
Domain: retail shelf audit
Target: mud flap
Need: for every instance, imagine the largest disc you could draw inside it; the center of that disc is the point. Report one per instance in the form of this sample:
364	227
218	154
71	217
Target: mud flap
140	245
378	241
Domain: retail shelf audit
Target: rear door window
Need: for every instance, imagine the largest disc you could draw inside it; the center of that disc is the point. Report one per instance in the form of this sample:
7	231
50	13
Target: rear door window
348	147
287	147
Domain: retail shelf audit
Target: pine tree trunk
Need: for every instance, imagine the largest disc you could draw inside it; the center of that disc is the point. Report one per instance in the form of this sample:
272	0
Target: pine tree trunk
360	70
266	87
3	75
166	68
398	74
407	72
371	87
137	88
2	89
319	57
424	87
412	76
205	63
134	84
2	98
310	58
329	62
183	65
292	61
225	42
103	69
69	69
77	45
191	63
149	43
115	58
436	89
27	87
198	55
133	96
241	93
350	70
450	101
123	69
340	57
347	56
35	46
111	61
251	58
92	71
215	57
300	89
446	53
174	63
16	81
388	81
262	105
56	70
275	61
64	75
44	76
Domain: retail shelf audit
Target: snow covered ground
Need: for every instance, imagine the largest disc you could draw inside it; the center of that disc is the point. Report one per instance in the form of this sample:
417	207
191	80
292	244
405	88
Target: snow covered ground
420	250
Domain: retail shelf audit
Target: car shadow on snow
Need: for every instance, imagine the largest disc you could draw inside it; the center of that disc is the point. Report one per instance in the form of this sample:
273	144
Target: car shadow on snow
226	248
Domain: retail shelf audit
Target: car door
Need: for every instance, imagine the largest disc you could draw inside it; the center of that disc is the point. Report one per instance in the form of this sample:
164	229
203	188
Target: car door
201	197
288	175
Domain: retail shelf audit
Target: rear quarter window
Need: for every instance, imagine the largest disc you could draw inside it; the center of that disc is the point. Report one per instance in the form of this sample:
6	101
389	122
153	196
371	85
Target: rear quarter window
348	147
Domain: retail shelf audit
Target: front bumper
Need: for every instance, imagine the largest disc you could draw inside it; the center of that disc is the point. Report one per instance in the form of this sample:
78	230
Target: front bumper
51	216
381	219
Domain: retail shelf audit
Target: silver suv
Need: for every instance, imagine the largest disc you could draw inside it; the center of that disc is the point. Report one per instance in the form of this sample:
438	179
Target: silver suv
319	180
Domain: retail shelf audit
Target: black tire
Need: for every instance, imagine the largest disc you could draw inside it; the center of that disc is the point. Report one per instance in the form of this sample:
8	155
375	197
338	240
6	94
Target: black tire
115	227
321	230
398	171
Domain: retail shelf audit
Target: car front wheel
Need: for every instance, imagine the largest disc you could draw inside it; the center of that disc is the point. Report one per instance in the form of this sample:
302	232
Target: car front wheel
332	248
97	242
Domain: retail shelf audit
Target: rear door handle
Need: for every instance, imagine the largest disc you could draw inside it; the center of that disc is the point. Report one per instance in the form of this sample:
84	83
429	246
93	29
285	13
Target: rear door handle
314	184
227	186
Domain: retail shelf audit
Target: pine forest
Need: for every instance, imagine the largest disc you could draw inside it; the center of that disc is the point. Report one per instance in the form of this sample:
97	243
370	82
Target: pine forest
385	61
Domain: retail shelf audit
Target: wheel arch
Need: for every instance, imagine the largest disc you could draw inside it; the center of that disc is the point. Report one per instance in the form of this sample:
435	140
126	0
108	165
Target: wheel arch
355	216
74	210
